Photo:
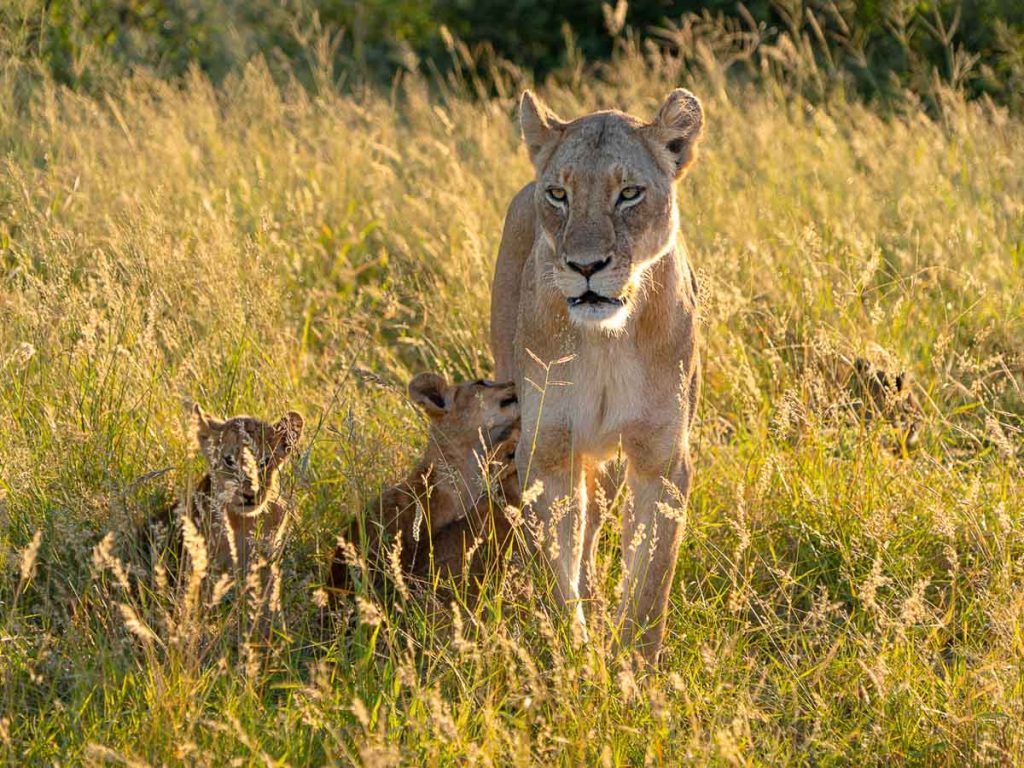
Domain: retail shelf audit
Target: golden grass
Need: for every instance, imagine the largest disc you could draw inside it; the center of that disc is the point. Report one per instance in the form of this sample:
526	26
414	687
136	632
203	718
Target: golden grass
261	245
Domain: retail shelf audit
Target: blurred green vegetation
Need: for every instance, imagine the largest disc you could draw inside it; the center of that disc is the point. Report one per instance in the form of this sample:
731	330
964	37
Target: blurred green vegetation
878	49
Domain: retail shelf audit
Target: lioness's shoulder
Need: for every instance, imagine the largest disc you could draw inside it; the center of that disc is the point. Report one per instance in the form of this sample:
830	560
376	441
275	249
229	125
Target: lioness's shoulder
521	214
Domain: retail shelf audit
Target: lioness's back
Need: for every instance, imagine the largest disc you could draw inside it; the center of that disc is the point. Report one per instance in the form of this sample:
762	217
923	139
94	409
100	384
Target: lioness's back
517	240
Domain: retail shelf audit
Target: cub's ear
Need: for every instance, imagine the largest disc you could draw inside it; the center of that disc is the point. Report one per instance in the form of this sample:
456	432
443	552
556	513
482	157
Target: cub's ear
202	426
287	432
675	130
541	128
428	391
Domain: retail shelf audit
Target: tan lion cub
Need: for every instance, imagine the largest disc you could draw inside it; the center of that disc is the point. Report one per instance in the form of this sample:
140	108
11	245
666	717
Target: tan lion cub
444	504
237	505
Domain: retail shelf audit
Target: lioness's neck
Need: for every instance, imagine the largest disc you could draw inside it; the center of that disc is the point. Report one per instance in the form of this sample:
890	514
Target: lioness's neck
666	284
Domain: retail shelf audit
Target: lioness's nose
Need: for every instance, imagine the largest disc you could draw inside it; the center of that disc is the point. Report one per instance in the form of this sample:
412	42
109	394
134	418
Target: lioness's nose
588	268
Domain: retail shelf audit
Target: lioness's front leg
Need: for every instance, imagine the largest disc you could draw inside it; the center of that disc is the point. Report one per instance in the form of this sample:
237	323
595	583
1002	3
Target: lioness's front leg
559	511
650	546
603	480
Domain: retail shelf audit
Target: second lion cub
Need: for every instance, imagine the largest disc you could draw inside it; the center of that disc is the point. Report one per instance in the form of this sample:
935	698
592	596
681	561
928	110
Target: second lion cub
237	505
455	494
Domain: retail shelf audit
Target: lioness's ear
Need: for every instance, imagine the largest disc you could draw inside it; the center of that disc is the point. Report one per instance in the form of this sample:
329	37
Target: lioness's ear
428	390
287	432
202	426
676	129
541	128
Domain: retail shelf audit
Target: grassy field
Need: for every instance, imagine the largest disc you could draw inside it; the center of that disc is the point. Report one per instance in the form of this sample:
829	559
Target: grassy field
259	247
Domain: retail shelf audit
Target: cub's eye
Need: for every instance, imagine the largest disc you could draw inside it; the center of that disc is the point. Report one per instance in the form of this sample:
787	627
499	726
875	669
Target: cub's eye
228	461
557	195
630	195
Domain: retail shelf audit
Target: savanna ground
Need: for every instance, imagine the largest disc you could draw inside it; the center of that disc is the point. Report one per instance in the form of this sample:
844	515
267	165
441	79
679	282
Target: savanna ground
258	246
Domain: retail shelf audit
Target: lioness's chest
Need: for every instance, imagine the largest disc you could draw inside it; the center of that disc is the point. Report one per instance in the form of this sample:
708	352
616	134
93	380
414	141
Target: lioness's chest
604	396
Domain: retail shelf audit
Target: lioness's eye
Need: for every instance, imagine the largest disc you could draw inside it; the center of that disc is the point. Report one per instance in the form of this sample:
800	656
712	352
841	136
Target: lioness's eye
228	461
557	195
629	194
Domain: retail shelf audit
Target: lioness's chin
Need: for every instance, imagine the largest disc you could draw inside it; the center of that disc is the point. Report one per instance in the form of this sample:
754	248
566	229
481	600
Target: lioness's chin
603	316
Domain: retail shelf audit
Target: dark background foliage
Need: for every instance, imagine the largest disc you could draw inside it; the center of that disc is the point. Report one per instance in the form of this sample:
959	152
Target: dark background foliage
878	47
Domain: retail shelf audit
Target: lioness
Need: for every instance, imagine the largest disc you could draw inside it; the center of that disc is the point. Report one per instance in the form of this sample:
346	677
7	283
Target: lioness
445	503
592	267
237	505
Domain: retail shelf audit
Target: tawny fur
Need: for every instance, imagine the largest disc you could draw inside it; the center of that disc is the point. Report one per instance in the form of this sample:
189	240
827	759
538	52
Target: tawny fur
237	505
631	379
886	394
445	504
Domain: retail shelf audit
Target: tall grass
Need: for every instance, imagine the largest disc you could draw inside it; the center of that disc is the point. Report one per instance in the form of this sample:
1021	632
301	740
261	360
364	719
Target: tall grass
260	246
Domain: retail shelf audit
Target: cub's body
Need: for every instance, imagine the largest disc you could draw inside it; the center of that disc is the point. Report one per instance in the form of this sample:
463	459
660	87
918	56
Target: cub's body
237	505
454	495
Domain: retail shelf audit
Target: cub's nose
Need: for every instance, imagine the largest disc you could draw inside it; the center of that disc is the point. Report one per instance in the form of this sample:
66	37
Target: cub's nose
249	498
508	394
588	268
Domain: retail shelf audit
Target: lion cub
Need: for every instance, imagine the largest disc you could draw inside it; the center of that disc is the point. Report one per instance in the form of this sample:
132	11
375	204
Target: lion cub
237	505
445	504
887	395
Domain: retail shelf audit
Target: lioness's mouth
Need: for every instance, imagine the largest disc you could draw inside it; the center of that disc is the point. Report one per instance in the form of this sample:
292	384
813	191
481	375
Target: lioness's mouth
593	298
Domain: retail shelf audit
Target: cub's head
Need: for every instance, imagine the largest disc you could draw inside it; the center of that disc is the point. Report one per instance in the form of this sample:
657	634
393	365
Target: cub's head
605	198
469	417
244	456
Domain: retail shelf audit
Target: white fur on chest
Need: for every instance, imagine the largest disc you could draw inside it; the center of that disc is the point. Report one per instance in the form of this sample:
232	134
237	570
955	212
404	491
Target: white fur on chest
605	393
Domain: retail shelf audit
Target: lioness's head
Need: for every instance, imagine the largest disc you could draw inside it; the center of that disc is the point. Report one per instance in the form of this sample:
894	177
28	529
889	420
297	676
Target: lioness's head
605	197
244	457
468	418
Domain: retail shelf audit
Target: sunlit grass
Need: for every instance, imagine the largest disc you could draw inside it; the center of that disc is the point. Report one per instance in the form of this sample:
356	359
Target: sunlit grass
261	247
